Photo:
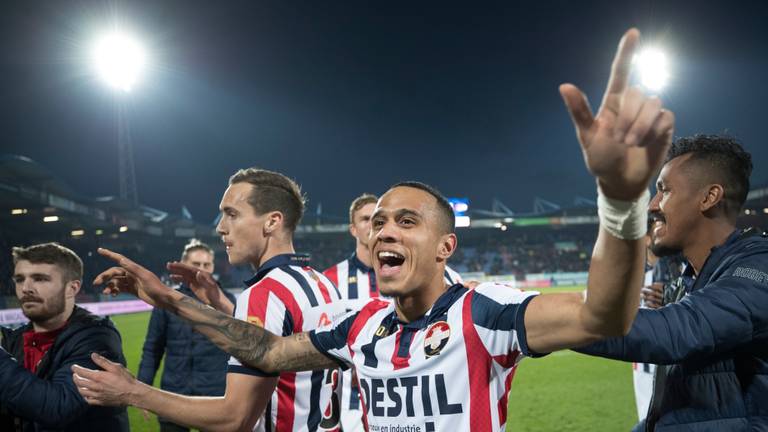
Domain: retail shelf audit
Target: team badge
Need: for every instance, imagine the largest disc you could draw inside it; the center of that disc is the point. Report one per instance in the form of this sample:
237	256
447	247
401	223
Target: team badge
436	338
312	274
253	319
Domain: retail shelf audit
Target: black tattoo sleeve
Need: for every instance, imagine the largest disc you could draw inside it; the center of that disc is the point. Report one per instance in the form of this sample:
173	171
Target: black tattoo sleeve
249	343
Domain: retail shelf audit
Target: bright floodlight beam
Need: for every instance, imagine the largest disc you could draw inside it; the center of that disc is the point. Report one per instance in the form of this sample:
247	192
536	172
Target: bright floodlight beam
119	60
653	69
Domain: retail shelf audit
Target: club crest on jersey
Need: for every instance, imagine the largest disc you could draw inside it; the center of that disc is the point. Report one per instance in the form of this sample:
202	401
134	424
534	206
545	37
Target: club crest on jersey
311	274
253	319
436	338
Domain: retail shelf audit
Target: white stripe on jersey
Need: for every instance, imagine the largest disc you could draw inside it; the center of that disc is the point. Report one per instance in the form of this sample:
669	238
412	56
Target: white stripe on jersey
282	302
470	339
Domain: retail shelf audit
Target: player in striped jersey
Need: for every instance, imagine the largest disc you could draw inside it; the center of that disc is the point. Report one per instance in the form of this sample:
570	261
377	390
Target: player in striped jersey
440	357
356	282
260	211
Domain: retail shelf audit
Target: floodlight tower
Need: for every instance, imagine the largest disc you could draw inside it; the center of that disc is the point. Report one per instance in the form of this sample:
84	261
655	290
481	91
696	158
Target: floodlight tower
119	61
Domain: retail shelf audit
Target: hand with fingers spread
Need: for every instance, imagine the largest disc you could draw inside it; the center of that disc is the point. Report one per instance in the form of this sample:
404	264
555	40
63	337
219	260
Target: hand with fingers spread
625	142
112	386
132	278
202	285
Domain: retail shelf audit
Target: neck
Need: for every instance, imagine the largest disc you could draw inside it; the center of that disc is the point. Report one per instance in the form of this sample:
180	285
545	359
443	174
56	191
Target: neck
413	306
709	236
53	323
275	246
363	254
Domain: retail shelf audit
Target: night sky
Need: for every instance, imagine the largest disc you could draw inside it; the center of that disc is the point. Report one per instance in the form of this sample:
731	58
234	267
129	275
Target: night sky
347	97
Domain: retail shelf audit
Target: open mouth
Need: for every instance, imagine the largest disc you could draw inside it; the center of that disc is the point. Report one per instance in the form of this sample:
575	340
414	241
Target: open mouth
658	223
390	262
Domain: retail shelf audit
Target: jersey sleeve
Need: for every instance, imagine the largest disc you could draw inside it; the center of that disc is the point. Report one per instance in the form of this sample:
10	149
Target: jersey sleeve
497	314
260	306
331	339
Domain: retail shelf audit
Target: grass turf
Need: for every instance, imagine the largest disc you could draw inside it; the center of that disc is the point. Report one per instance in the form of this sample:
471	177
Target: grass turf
564	391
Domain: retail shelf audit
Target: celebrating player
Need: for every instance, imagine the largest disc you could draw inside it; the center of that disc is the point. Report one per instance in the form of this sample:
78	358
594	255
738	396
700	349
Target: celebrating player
356	281
438	357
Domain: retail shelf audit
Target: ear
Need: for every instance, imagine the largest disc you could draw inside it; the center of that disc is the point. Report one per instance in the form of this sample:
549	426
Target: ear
273	222
447	246
353	230
713	196
72	288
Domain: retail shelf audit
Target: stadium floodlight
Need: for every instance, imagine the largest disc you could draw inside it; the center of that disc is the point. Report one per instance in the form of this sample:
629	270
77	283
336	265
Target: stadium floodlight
653	68
123	228
119	60
50	219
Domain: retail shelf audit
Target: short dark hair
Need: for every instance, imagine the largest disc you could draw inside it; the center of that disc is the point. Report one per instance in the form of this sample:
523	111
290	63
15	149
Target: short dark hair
447	217
52	253
724	160
195	245
273	191
359	203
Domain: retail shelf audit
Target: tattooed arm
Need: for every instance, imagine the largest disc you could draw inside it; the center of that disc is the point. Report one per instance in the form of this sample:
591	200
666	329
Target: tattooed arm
250	344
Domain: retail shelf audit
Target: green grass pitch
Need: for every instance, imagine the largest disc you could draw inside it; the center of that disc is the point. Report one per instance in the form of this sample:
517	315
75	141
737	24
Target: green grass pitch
564	391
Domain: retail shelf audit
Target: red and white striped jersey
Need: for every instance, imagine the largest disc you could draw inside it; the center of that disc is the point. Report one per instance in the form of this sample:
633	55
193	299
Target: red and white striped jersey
449	370
357	285
287	296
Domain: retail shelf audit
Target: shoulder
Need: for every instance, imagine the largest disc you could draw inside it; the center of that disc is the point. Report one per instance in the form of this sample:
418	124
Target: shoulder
502	293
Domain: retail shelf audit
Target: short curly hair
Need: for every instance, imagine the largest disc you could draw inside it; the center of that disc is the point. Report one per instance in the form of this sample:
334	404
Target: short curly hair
725	162
52	253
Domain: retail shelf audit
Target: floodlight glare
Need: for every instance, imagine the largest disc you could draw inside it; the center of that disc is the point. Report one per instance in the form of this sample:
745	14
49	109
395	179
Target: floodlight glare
119	60
653	68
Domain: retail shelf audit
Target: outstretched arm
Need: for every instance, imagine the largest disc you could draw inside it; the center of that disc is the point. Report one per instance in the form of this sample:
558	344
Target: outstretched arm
623	146
250	344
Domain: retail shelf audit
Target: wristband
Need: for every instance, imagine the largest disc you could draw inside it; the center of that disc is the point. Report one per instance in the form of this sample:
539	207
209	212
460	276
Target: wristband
627	220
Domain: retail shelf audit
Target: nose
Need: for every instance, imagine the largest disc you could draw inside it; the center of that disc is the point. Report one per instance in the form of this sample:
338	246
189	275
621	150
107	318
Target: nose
387	233
220	229
653	206
26	286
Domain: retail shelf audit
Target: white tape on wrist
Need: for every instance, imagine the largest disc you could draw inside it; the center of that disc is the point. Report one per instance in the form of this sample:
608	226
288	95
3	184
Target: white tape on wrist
626	220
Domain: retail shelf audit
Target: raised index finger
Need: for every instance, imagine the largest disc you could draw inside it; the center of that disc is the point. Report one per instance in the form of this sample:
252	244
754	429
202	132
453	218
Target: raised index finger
620	69
120	259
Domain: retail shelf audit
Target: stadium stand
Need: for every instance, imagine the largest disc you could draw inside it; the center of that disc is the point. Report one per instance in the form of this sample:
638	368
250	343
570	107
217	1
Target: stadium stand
558	242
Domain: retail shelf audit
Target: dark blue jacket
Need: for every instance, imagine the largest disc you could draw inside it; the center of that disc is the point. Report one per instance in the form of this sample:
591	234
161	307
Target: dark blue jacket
193	365
48	399
715	340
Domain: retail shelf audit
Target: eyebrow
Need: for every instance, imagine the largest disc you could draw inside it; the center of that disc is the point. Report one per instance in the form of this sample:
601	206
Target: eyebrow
398	213
37	275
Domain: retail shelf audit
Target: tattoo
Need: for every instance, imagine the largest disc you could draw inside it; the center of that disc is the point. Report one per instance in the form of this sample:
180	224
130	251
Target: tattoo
246	342
301	355
249	343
